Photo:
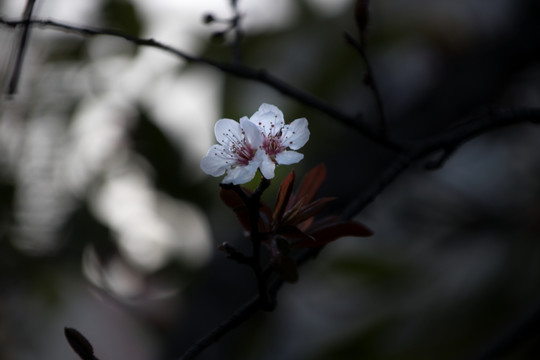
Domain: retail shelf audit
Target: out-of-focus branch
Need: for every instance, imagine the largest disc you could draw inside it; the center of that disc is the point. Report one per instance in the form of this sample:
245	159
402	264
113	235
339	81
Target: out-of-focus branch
239	317
253	203
446	141
370	80
19	58
238	33
237	70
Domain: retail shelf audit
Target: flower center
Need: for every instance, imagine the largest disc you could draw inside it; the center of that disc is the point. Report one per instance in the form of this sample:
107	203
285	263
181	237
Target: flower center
272	145
243	152
239	149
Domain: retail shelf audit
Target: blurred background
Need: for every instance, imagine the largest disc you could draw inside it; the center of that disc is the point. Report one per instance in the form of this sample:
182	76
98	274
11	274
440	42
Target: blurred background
108	225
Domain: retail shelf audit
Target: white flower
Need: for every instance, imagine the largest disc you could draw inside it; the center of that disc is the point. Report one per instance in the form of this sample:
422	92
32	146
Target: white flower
277	137
239	151
260	142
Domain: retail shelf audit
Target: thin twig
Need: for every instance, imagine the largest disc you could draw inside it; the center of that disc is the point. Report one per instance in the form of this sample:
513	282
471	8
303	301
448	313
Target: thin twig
237	33
470	128
25	33
236	319
370	80
240	316
387	177
254	204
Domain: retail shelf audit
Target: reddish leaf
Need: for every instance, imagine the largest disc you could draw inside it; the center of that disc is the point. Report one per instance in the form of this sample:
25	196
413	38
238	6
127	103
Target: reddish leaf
265	218
324	222
231	198
285	191
296	216
235	202
311	183
326	234
293	232
306	224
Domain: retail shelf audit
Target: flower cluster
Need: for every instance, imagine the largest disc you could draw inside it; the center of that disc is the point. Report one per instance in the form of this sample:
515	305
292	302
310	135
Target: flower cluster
259	142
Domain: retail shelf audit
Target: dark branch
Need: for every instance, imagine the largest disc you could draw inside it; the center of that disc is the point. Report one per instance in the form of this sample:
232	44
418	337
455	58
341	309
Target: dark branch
19	58
450	139
237	33
370	80
239	317
236	319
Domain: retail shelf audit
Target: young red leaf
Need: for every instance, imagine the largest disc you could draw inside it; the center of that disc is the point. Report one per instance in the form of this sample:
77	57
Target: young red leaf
296	216
292	232
231	198
284	195
235	202
326	234
311	183
265	218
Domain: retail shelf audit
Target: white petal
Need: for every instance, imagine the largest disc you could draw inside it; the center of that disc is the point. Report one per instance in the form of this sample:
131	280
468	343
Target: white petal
297	134
267	167
252	132
269	118
240	174
288	157
267	108
213	163
227	130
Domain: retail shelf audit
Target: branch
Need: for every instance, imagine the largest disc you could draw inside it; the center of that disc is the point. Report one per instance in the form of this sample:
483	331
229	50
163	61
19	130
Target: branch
236	319
17	66
476	125
468	129
238	34
370	79
253	204
238	70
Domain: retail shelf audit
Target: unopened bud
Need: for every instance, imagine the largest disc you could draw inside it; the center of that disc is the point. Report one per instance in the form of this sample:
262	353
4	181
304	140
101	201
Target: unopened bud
208	18
218	36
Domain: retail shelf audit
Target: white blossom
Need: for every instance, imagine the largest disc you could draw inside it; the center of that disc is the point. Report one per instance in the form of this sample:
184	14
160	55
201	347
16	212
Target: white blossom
260	142
277	137
238	152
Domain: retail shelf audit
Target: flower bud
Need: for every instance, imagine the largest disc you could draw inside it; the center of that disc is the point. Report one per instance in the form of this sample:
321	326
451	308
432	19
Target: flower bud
208	18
